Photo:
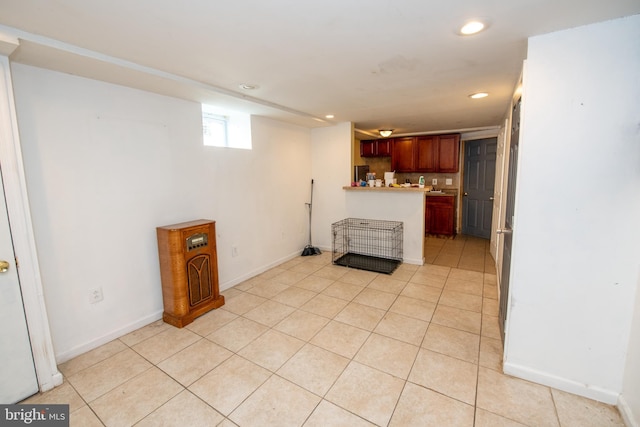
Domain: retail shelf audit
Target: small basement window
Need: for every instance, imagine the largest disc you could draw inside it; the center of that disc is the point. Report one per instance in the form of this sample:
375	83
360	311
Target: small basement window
214	129
228	129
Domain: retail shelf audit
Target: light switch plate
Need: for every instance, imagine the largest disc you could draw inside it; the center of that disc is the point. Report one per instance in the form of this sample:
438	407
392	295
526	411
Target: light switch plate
448	181
434	181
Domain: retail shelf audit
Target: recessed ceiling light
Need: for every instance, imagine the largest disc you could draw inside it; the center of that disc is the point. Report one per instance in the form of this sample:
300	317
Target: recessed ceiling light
248	86
478	95
472	27
329	116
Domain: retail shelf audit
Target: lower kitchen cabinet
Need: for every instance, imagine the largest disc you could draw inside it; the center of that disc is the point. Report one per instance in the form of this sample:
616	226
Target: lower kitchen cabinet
440	215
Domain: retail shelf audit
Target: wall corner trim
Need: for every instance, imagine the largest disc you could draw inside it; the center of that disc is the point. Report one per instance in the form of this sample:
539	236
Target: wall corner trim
570	386
626	412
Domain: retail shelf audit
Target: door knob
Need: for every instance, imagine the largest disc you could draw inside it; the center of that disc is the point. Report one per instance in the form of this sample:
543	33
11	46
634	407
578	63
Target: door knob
490	198
465	194
501	231
4	266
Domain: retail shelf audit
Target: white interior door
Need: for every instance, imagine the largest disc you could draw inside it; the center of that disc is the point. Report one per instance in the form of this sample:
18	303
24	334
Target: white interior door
17	370
495	246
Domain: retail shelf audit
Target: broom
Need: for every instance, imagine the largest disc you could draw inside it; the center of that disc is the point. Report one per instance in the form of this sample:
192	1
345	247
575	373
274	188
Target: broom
310	249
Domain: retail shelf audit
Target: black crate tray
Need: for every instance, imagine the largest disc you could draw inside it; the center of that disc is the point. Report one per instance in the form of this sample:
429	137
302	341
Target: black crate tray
367	262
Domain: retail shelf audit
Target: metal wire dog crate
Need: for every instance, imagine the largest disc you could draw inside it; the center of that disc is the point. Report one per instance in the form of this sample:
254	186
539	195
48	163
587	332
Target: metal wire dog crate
367	244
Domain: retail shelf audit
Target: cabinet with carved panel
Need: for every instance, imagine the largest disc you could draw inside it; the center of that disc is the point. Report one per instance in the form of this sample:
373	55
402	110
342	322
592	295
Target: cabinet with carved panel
188	270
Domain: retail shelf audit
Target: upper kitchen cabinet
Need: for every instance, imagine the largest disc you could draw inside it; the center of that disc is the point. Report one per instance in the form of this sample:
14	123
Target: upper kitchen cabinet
426	153
375	148
403	155
448	153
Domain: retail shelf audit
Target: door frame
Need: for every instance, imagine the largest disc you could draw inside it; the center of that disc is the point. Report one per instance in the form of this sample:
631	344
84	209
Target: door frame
500	189
19	214
495	247
502	202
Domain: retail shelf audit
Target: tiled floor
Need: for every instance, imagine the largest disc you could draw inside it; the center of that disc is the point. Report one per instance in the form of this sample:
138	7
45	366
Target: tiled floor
464	252
309	343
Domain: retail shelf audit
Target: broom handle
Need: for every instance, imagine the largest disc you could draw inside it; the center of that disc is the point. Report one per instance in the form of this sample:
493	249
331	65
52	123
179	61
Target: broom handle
310	206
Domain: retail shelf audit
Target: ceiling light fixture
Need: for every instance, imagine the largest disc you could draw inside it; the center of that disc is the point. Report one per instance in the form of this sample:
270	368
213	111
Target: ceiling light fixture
247	86
329	116
478	95
472	27
385	132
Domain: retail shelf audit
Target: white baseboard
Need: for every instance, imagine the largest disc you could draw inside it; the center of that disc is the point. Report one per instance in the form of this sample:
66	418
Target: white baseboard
231	283
117	333
627	414
97	342
592	392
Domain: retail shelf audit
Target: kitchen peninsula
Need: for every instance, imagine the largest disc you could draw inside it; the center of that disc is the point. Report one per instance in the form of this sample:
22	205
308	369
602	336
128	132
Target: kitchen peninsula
406	204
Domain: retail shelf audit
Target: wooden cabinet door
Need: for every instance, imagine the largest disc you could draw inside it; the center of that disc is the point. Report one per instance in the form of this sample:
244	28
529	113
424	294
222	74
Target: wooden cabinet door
383	147
426	153
448	153
403	155
440	215
367	148
375	148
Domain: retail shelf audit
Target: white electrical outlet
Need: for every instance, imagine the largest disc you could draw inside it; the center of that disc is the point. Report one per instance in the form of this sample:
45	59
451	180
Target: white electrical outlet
434	181
448	181
234	251
95	295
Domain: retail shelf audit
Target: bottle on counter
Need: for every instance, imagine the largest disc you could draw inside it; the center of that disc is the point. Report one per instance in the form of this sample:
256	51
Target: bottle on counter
421	182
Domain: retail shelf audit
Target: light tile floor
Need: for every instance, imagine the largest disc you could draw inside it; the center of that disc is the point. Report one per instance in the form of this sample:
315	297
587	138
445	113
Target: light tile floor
309	343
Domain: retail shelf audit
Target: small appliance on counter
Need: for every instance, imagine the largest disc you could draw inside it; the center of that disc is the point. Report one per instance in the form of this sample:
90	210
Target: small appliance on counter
371	179
360	173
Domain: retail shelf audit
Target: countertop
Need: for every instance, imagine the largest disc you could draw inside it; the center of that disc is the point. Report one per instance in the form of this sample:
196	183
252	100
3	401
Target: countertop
446	192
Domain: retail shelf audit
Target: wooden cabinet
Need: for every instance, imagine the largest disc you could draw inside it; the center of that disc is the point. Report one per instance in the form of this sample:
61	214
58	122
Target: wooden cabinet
367	148
426	153
403	154
376	148
440	215
383	147
448	153
188	270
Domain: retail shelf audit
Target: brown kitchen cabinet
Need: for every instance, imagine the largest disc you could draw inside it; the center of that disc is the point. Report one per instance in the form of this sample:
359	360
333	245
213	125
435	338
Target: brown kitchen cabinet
448	154
440	215
375	148
383	147
403	155
426	153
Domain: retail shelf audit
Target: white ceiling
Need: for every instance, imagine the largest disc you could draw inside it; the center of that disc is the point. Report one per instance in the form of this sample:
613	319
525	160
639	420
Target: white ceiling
381	64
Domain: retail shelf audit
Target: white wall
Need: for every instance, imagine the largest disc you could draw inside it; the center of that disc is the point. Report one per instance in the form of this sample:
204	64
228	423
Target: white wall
407	207
575	251
331	170
629	402
106	164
